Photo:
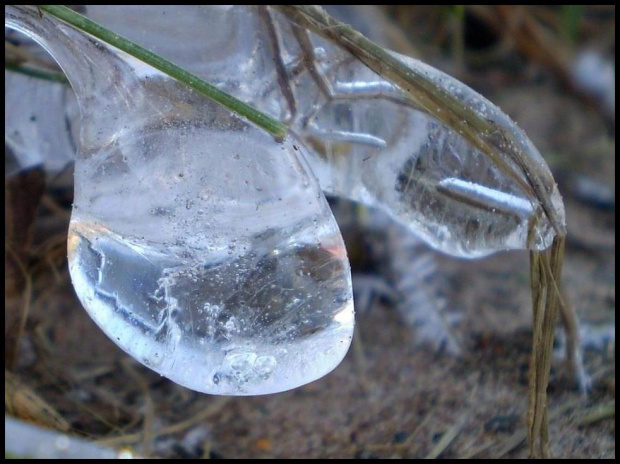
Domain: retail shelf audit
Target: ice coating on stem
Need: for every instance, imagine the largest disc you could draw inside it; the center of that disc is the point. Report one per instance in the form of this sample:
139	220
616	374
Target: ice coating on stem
197	243
379	144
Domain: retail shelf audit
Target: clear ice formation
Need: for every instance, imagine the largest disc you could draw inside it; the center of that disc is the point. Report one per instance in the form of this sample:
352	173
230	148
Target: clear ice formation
205	249
197	243
366	140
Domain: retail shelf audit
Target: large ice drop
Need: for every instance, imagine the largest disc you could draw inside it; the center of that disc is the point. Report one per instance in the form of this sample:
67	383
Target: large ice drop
197	243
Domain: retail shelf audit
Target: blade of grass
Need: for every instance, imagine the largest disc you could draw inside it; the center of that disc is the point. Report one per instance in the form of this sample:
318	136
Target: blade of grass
274	127
598	413
37	73
446	440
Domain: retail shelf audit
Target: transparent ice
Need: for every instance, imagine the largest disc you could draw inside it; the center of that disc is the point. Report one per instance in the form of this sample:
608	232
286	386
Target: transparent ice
39	117
197	243
161	198
366	140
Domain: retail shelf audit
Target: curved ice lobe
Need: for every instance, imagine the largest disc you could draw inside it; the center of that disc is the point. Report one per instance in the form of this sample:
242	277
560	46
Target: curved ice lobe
232	280
200	245
382	149
516	158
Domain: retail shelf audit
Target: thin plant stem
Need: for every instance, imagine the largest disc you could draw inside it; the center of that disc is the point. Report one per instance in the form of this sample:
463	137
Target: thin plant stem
545	270
37	73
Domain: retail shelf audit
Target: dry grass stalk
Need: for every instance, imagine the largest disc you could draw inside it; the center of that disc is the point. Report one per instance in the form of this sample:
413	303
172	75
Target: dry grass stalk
545	266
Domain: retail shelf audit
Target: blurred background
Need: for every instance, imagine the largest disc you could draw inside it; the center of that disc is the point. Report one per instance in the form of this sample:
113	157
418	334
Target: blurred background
552	69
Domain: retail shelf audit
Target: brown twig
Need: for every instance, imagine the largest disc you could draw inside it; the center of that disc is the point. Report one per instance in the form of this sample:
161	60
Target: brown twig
546	269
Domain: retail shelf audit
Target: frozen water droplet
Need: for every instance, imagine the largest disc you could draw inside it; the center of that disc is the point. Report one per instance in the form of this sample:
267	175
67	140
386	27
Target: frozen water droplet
157	277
